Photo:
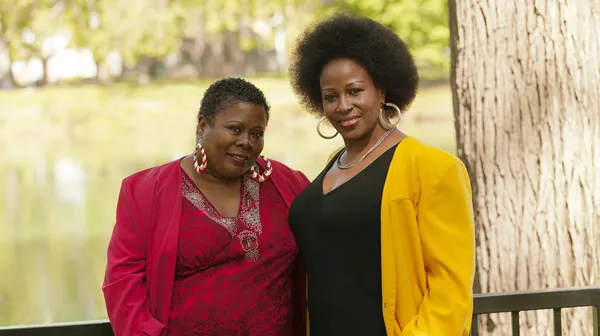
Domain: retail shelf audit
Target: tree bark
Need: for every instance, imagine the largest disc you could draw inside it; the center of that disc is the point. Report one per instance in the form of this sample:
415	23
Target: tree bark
526	90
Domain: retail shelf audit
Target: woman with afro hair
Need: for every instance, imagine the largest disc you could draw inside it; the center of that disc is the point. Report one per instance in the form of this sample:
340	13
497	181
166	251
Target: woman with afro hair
386	229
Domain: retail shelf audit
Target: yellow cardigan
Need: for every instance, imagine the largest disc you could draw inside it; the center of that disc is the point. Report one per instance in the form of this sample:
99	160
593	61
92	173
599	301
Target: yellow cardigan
427	243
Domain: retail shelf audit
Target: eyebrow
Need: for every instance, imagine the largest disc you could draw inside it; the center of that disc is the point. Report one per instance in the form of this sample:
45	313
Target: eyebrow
347	85
241	123
355	82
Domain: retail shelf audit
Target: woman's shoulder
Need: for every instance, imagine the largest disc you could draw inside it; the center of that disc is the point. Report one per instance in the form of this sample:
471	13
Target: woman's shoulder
153	175
423	154
423	161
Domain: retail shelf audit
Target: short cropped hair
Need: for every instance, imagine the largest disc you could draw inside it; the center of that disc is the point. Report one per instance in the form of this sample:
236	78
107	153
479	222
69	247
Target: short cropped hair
226	92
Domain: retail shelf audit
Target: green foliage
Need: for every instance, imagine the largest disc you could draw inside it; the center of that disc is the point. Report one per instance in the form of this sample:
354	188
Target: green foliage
14	17
155	28
132	28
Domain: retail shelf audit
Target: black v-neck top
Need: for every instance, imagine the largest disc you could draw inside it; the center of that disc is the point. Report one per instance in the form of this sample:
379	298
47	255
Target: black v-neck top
339	236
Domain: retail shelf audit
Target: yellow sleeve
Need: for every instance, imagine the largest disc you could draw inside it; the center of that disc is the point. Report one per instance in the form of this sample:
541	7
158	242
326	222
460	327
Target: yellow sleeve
446	226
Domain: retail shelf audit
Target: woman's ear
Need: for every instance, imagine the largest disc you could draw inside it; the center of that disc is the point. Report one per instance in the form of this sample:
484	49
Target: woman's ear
382	95
201	127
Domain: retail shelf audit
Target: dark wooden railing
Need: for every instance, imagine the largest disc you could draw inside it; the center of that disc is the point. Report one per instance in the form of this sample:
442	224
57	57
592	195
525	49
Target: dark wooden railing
513	303
87	328
555	300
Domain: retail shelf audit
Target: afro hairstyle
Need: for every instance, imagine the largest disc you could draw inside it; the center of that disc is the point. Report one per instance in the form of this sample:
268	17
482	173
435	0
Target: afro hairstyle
374	46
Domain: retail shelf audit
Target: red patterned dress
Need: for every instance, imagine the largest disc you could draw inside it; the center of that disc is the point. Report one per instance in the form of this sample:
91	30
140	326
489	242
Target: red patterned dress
233	275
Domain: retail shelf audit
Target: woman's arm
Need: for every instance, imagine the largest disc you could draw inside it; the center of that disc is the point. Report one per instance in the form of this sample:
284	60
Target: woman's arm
446	227
124	284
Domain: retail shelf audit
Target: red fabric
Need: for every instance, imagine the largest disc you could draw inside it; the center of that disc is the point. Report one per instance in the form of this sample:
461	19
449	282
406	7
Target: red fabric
216	290
142	251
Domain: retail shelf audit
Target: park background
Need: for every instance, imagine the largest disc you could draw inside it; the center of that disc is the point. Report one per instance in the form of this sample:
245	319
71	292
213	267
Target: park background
94	90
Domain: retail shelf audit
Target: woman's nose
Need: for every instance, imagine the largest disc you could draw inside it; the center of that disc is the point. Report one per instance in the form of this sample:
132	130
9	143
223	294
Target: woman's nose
344	105
244	141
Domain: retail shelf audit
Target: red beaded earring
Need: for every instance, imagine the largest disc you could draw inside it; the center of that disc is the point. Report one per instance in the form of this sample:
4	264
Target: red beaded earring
200	168
265	174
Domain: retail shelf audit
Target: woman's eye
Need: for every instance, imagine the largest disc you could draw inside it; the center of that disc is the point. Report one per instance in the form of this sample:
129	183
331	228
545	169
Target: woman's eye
329	97
355	91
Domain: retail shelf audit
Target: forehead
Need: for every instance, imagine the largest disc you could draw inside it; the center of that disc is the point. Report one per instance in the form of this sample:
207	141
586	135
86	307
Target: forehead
243	112
342	72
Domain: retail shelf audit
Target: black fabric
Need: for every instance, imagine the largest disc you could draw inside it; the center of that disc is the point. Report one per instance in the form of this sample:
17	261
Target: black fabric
339	237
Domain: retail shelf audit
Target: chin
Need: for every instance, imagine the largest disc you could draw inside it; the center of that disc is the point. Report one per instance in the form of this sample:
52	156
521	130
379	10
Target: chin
354	134
232	172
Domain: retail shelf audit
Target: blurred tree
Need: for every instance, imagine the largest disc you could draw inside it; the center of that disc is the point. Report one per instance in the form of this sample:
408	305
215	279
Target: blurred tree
241	37
14	17
44	23
89	29
526	88
139	30
219	37
30	27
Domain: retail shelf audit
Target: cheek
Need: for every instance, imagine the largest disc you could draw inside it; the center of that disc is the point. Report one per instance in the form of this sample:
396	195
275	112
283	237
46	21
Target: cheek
212	149
218	143
328	106
370	108
367	102
329	110
257	146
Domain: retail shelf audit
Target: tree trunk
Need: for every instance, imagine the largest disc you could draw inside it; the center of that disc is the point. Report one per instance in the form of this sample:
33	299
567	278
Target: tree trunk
45	73
526	90
5	46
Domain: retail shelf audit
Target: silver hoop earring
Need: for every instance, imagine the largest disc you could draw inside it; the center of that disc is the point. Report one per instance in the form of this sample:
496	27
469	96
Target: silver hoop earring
382	119
319	130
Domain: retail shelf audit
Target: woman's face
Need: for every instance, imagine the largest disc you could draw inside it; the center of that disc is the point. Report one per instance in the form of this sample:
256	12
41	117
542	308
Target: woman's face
351	101
234	139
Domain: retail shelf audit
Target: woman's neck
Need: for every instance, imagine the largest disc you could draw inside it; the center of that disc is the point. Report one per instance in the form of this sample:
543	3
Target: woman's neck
357	147
211	179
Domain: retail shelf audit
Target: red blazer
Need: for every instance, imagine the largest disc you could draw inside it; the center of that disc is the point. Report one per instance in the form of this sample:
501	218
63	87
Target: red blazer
142	251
